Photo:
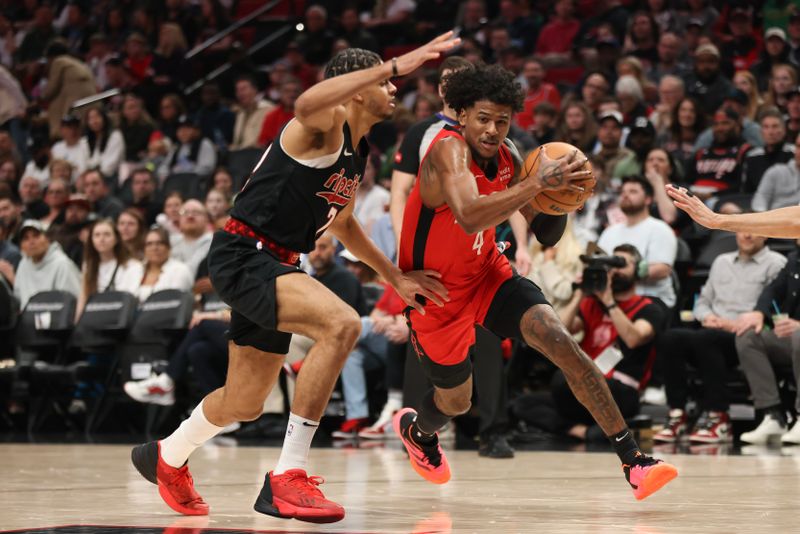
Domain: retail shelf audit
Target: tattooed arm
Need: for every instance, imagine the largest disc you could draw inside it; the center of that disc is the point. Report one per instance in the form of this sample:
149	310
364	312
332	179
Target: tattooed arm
544	331
446	179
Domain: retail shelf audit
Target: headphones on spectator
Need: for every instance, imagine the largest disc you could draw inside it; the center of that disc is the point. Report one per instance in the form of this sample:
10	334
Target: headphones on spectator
640	265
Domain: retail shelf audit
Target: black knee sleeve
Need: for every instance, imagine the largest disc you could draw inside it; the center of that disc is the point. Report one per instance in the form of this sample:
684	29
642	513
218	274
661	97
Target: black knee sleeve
429	417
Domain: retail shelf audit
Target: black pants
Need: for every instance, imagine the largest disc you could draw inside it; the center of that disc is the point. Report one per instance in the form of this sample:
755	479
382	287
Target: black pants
558	410
489	378
712	352
205	349
395	363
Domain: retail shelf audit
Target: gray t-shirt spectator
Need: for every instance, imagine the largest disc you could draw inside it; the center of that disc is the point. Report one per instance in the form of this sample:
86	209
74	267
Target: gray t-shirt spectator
55	271
779	187
733	285
656	242
191	252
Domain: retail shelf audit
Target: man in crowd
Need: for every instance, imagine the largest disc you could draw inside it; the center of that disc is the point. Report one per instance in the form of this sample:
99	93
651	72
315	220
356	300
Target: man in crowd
652	237
44	265
734	283
194	241
775	150
96	190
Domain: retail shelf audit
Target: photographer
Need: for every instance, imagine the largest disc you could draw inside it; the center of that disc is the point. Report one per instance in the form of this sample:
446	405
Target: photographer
618	328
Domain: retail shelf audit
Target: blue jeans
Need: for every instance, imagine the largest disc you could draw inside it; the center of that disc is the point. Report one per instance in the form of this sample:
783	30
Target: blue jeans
369	353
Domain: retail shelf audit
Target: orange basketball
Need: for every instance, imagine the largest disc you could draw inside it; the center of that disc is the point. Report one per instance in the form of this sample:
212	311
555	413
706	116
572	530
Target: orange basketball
558	202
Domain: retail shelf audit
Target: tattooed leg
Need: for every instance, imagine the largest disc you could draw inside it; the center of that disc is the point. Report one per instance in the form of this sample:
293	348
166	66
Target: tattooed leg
544	331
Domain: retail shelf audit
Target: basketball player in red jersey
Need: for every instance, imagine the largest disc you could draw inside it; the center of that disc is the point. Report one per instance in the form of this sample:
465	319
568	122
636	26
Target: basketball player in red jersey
467	183
780	223
302	186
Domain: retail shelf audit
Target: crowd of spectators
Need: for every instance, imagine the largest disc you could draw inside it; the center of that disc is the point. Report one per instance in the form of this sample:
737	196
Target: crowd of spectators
123	190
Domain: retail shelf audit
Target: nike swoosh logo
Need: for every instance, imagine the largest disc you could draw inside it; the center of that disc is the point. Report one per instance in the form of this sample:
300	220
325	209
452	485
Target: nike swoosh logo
309	424
621	437
347	152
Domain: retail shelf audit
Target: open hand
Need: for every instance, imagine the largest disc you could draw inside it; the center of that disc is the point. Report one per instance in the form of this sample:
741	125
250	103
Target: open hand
749	320
693	206
411	61
424	283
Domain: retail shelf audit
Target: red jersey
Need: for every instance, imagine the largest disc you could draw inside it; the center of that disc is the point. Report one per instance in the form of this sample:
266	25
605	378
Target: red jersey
471	267
432	239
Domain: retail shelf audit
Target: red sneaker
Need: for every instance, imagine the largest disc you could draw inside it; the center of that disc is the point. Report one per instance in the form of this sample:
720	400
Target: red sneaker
712	427
648	475
296	495
676	428
350	428
175	486
427	460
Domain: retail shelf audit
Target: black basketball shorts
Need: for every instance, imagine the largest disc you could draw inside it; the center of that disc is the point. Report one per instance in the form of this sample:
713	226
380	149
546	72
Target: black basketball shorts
244	277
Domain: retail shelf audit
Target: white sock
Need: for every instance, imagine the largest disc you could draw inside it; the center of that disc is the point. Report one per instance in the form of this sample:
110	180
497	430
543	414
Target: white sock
299	433
193	432
395	397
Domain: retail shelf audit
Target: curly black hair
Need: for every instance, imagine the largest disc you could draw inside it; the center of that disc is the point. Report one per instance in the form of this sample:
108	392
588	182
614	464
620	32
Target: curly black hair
492	83
350	60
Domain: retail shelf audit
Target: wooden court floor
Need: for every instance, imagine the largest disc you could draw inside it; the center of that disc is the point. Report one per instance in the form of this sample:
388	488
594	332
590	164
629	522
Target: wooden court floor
558	492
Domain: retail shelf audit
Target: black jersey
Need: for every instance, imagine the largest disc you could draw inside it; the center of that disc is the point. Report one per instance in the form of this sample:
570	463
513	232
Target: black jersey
292	203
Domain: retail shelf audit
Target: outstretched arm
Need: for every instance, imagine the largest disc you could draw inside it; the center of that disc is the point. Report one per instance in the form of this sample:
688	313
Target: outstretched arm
449	162
781	223
316	108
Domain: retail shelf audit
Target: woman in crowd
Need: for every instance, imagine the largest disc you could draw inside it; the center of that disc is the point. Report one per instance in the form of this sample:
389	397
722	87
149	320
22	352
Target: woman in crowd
170	219
107	265
660	170
746	82
223	181
169	66
170	108
106	144
688	121
554	269
577	126
217	204
160	271
55	196
136	126
783	80
131	228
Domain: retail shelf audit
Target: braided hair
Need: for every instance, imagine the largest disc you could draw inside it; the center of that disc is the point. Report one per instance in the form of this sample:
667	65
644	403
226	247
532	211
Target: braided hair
351	60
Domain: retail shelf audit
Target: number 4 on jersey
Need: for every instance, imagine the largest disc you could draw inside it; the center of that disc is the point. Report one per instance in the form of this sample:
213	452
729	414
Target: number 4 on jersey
478	244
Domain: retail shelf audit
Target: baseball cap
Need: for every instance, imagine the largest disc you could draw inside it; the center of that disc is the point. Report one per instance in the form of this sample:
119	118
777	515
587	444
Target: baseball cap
80	199
737	95
70	119
347	255
607	41
186	120
794	91
775	32
611	114
709	49
696	21
726	113
641	124
31	224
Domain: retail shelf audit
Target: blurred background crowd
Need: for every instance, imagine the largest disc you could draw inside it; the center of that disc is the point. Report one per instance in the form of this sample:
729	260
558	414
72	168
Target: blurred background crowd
128	126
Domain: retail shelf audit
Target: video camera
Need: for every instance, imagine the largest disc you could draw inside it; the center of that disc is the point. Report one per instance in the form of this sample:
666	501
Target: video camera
595	274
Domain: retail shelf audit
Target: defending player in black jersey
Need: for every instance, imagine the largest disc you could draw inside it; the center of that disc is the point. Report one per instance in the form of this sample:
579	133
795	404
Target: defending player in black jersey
301	187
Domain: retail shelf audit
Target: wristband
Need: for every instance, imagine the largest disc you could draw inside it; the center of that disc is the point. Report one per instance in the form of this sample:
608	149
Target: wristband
611	307
394	67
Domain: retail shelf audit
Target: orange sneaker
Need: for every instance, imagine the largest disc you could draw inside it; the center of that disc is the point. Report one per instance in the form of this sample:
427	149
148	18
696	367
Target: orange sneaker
295	495
427	460
648	475
175	486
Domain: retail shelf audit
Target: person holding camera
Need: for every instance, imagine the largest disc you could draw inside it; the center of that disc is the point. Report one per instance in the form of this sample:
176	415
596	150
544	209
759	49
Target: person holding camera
619	328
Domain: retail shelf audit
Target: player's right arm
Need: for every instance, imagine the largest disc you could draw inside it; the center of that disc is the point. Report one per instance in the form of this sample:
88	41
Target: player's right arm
780	223
320	108
448	163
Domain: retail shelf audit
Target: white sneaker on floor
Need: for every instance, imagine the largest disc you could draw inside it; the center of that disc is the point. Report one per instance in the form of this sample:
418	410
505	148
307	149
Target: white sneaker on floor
792	437
380	428
767	429
656	396
158	389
